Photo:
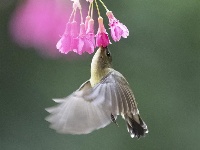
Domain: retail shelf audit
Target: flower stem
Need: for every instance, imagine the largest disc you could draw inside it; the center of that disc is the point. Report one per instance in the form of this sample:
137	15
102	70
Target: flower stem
104	5
74	14
71	15
92	10
89	9
81	15
97	8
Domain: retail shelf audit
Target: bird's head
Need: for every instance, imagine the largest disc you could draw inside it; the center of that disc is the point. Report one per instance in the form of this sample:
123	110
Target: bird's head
102	58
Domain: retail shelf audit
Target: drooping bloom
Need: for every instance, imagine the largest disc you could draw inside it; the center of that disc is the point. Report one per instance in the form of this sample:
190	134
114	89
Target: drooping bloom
86	22
102	38
118	30
69	40
85	40
64	43
84	43
90	32
74	35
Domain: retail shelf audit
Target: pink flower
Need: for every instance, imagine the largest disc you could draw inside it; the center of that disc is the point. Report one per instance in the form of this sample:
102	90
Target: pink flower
86	22
74	35
118	30
90	32
69	40
64	43
84	43
102	38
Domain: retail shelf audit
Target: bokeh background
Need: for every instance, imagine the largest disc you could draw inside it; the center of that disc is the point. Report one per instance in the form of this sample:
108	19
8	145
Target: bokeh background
160	59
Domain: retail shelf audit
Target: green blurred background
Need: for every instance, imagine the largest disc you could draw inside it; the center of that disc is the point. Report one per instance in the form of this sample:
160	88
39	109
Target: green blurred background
160	59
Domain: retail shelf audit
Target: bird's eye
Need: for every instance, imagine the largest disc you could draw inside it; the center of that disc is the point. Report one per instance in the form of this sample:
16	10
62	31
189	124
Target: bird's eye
108	54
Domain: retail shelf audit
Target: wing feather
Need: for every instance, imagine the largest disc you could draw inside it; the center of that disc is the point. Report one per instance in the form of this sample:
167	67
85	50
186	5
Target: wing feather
90	108
123	99
113	99
77	116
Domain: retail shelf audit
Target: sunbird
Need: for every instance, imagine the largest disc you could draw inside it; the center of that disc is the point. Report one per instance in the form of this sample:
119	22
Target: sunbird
98	102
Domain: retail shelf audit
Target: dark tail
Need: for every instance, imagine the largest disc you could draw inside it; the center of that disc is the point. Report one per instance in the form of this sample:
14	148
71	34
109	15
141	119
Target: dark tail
135	125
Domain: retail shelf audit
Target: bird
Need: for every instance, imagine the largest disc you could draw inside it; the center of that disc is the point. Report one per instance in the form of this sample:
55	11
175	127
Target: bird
98	102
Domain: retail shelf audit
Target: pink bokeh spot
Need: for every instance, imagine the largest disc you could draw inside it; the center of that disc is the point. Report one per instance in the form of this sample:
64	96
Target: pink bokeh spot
38	24
118	30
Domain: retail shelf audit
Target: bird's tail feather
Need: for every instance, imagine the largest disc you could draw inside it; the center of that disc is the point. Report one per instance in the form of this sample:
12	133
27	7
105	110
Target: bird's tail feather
135	125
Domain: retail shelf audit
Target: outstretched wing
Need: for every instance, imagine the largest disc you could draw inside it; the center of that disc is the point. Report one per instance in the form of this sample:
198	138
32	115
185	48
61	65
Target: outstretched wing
90	108
77	115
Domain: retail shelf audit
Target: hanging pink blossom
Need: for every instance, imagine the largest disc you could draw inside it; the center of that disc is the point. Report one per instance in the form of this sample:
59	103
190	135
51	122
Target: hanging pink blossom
74	35
118	30
90	32
86	22
64	43
84	43
102	38
85	40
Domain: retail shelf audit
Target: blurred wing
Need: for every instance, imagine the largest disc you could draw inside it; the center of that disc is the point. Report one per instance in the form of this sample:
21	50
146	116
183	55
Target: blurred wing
76	115
116	93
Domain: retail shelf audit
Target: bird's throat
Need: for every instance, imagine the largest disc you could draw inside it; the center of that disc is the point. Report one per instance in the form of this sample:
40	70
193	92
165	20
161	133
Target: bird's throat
98	70
97	73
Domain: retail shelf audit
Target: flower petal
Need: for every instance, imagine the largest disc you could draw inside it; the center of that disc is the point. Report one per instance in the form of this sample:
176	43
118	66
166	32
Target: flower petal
102	38
74	35
63	44
118	30
84	44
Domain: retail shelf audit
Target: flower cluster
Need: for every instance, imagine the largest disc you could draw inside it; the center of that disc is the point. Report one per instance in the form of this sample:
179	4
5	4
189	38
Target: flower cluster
84	41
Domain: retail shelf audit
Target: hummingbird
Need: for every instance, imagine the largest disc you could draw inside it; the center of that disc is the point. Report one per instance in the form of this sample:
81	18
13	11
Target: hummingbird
98	102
